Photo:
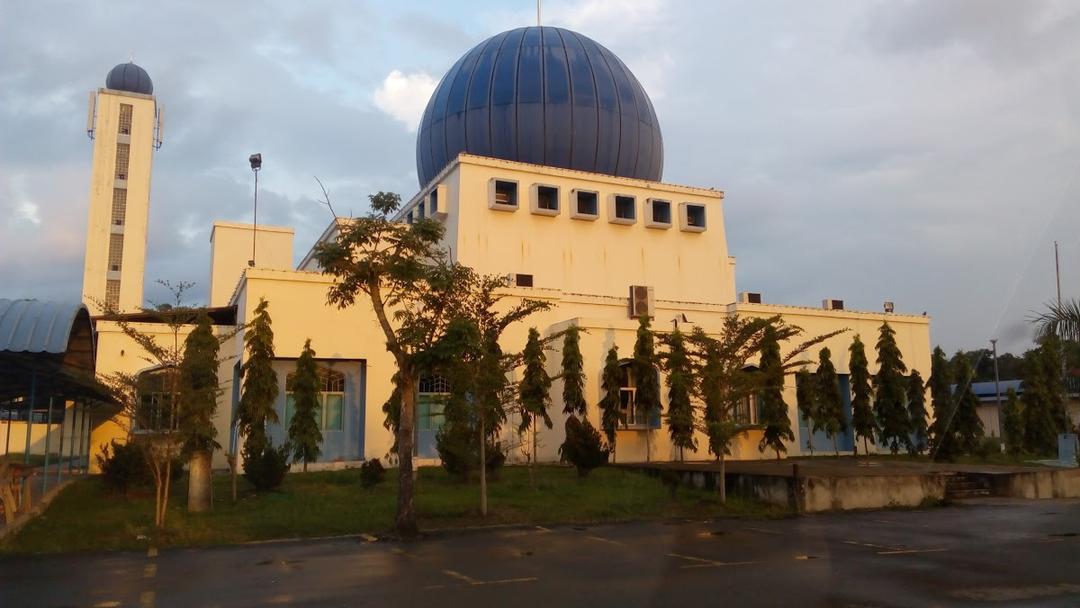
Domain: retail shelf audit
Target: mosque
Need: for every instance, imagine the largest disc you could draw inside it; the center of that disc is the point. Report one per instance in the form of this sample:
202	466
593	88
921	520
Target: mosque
542	155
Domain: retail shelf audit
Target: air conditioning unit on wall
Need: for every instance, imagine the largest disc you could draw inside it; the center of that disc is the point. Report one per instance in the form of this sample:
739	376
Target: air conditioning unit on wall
641	301
750	297
830	304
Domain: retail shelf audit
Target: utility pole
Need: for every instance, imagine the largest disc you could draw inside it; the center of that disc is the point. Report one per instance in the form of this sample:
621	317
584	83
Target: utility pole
997	383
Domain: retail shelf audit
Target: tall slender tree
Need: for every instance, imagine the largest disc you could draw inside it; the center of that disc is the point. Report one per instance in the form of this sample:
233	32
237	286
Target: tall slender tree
830	403
534	389
916	406
1012	428
1043	403
610	405
305	437
862	417
256	408
890	392
199	391
573	374
643	367
680	381
943	444
774	412
806	396
966	422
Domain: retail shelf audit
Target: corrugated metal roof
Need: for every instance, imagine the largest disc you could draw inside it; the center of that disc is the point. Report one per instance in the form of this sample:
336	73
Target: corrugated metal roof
36	326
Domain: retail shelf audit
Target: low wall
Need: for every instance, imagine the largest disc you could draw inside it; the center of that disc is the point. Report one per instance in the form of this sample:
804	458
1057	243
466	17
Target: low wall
869	492
1051	483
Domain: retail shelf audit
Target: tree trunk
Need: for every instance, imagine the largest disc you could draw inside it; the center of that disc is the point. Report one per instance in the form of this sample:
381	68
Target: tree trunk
405	520
835	446
199	482
648	444
865	449
234	462
483	467
723	479
168	484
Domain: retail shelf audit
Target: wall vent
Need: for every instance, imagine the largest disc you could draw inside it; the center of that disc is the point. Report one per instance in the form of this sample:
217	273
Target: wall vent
750	297
641	301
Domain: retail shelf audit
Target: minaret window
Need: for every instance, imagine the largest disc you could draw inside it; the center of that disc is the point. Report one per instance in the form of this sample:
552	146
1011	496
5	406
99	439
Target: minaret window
123	151
112	294
116	251
125	119
119	206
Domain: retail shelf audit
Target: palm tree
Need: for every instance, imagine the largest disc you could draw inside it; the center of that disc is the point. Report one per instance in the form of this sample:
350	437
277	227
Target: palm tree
1060	318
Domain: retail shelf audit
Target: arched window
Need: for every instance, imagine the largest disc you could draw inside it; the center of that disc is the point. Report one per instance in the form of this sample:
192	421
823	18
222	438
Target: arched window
746	412
634	414
331	411
433	391
156	411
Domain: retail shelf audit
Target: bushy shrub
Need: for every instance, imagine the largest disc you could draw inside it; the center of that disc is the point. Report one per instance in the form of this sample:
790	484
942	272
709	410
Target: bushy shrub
123	466
371	473
988	447
460	453
266	471
582	447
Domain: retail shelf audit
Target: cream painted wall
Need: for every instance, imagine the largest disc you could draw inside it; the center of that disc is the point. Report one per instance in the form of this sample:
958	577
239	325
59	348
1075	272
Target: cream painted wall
230	251
593	257
102	182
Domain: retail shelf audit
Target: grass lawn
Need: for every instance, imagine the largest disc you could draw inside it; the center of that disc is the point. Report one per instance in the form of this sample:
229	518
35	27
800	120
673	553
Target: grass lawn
87	517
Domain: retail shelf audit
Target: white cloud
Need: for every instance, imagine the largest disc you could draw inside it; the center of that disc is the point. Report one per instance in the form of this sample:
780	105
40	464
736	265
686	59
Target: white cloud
28	212
404	96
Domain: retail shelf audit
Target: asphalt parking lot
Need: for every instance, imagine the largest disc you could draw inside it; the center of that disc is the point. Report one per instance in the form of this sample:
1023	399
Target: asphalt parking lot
989	551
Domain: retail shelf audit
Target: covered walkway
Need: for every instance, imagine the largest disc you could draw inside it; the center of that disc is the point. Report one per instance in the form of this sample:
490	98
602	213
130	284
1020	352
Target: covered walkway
49	397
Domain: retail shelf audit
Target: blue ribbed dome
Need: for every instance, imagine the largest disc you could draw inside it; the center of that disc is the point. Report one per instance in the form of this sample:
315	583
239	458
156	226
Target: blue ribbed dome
129	77
542	95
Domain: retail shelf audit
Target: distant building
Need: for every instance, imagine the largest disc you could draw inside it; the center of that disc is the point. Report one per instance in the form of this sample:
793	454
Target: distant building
542	155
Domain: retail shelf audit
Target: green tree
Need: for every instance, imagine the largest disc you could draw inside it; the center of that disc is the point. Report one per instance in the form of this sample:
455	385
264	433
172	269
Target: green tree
830	403
402	271
534	389
1044	414
583	447
305	437
199	391
646	381
256	407
966	423
890	392
573	374
862	416
916	404
806	395
610	406
680	382
1013	423
943	443
774	412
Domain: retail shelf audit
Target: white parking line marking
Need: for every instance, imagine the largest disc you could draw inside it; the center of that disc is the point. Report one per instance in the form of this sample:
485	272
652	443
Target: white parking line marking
604	540
146	599
150	571
705	563
477	583
762	530
460	576
909	551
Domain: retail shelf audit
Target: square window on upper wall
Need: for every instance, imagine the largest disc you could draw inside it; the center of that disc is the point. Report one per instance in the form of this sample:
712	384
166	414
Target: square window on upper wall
692	217
409	217
585	205
544	200
622	209
420	210
657	213
503	195
437	203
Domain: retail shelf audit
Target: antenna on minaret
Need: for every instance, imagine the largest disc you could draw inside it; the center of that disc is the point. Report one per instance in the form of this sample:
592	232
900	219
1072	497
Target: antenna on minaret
537	13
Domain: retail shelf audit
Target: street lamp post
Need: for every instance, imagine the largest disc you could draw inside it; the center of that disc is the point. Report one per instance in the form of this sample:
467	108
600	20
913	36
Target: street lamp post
256	164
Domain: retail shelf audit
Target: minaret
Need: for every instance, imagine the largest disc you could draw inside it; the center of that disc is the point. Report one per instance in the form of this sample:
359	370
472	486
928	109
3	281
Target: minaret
124	122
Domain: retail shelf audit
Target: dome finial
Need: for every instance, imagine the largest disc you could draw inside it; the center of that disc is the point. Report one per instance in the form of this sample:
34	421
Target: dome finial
538	13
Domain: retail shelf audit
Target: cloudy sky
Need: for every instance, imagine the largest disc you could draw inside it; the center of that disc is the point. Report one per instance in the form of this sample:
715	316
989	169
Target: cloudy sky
923	151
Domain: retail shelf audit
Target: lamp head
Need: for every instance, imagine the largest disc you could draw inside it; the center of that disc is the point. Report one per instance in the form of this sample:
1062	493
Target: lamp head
256	161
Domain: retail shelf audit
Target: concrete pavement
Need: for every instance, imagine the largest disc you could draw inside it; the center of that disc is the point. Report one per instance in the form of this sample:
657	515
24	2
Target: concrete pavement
998	551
